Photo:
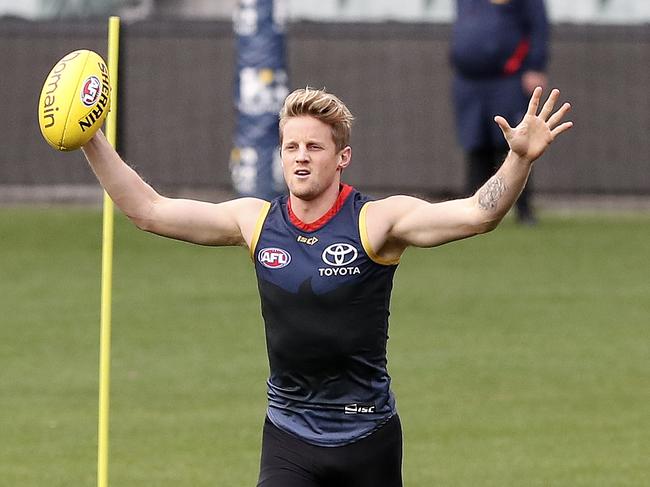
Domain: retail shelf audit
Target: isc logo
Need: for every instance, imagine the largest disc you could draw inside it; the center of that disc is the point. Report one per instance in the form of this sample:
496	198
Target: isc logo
274	258
90	91
368	408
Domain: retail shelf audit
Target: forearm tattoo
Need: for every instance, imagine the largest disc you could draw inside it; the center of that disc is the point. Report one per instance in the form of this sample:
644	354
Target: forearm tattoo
491	193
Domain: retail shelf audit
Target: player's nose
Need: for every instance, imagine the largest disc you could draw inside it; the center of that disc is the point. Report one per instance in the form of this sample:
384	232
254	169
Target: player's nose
302	154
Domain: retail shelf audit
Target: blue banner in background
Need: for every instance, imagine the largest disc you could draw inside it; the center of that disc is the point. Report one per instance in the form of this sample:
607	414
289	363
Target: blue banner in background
261	85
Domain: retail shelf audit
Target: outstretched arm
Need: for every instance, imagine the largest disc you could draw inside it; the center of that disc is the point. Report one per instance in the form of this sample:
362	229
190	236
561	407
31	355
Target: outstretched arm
228	223
527	142
401	221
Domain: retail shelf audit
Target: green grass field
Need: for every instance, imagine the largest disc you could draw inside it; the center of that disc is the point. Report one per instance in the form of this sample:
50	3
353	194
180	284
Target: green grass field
519	358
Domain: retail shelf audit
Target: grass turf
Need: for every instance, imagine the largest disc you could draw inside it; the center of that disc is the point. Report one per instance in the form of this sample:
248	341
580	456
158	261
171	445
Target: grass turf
518	358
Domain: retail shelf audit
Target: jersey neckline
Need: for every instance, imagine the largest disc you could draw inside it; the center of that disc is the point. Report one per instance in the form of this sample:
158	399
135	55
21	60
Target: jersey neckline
344	192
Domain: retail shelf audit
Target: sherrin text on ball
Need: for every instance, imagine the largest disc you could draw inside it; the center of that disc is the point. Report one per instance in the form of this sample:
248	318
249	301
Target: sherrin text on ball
75	100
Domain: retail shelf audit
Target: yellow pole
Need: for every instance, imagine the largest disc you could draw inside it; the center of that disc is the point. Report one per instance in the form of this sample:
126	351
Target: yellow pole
107	269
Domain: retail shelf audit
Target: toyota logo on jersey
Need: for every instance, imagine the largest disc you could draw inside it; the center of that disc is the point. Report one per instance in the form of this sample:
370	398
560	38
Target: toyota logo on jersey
339	254
274	258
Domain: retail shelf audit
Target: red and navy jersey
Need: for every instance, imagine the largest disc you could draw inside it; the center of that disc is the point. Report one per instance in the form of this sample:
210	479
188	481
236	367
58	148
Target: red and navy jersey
495	38
325	301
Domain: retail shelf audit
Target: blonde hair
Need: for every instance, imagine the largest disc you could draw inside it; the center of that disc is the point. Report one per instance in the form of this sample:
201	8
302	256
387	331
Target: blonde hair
322	106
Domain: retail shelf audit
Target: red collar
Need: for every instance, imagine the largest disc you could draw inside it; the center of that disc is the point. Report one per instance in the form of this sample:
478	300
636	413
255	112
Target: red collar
310	227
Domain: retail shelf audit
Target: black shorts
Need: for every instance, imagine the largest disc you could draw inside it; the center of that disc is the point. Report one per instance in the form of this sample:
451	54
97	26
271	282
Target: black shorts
373	461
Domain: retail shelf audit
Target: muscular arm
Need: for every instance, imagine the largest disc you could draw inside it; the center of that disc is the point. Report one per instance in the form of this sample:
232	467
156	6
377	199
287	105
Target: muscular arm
401	221
228	223
418	223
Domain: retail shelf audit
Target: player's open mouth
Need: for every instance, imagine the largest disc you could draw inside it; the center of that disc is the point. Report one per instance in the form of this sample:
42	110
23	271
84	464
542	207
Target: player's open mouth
302	172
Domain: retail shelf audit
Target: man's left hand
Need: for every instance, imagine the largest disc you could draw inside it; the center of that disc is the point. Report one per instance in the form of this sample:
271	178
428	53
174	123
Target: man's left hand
536	131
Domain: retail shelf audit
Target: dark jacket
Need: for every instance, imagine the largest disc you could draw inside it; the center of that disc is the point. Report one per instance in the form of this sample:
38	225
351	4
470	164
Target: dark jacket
493	38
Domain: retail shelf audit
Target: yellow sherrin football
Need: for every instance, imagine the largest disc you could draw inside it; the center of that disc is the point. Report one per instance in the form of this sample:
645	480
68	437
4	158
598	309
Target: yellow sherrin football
75	100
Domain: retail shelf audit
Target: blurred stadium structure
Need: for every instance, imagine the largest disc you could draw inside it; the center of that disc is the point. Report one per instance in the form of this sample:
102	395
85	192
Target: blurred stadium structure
176	93
581	11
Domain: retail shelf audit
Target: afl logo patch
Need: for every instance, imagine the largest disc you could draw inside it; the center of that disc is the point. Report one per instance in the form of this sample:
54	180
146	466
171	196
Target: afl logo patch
274	258
90	91
339	254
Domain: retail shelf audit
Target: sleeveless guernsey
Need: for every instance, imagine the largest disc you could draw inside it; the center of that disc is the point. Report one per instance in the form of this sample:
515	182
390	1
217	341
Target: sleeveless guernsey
325	302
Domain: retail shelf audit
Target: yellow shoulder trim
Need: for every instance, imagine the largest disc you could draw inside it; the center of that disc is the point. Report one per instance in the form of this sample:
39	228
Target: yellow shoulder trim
365	241
258	227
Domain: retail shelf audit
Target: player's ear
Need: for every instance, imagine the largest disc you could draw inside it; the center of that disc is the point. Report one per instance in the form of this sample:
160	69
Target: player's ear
344	157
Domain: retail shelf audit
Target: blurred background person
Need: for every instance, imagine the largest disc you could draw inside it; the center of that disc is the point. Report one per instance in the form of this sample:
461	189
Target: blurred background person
499	51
